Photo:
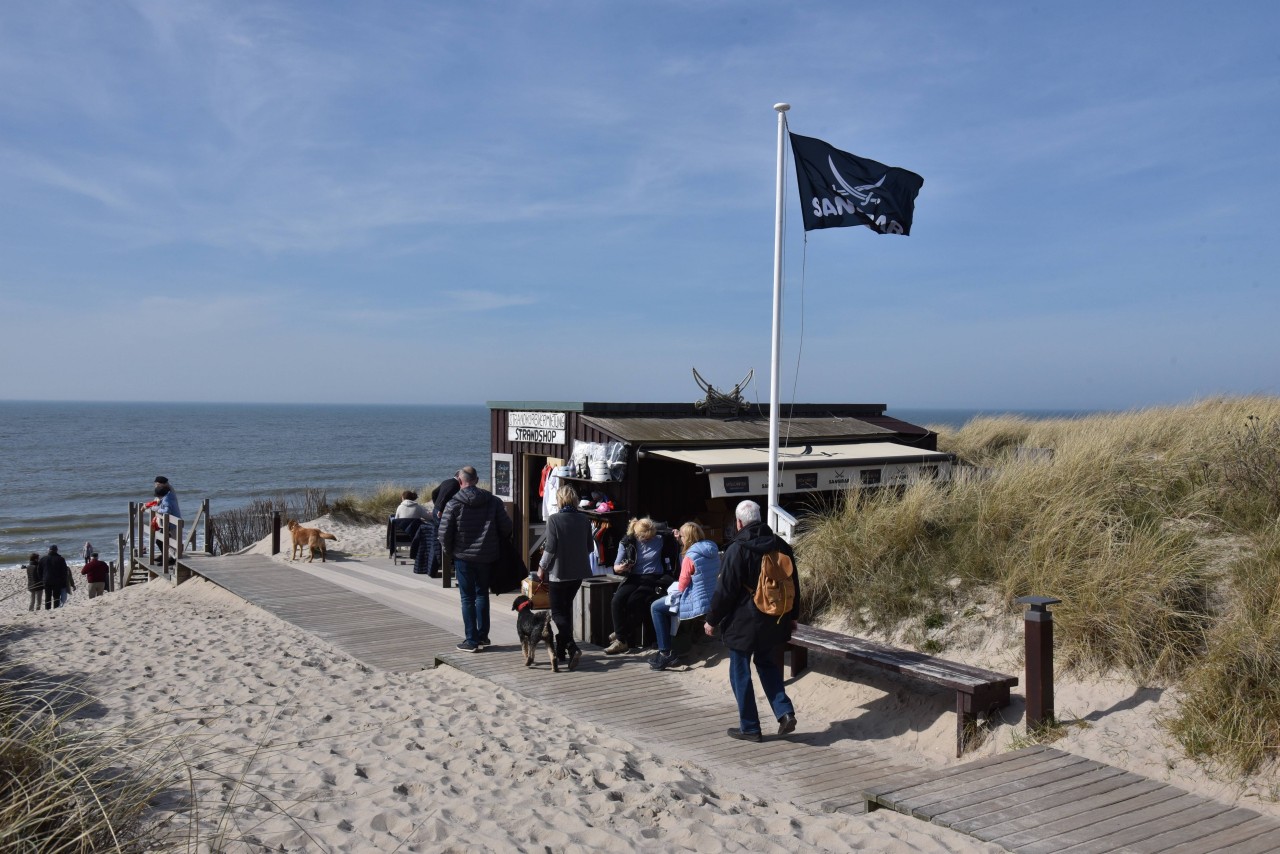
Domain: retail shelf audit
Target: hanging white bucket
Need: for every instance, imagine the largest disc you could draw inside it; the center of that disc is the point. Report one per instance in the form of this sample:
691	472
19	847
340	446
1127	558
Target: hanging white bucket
599	470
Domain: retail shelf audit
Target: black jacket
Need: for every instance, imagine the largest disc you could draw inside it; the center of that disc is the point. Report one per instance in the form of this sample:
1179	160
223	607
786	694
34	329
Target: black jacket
473	526
56	573
446	490
35	576
742	626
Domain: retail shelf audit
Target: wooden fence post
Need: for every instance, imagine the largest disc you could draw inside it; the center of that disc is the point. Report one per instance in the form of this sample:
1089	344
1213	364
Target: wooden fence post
164	544
133	549
208	528
275	532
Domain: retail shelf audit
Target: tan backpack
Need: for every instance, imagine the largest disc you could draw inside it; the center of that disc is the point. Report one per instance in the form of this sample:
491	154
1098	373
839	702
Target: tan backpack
776	590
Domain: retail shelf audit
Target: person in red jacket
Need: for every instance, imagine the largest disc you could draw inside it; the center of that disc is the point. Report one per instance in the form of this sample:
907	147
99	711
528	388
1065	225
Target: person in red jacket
96	572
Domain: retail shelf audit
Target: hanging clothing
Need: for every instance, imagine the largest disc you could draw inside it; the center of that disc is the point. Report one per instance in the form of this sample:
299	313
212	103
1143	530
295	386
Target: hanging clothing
550	486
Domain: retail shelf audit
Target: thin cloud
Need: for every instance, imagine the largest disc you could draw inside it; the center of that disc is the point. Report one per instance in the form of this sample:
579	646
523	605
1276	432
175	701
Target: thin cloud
481	301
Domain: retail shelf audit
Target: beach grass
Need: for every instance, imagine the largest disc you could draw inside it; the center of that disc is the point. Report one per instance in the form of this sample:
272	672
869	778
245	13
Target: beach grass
71	785
370	507
70	788
375	506
1155	528
1231	712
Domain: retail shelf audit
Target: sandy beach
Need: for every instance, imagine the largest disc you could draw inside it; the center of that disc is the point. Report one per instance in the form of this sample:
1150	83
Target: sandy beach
313	751
305	749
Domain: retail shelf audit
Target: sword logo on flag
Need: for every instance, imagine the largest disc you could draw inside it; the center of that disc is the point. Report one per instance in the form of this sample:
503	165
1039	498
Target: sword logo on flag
862	193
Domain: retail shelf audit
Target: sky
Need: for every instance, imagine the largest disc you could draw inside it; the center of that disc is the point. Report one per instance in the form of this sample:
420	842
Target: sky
457	202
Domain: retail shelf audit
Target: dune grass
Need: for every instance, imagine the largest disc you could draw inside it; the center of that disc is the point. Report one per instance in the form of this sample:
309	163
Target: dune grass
1128	524
1231	712
68	788
70	784
375	506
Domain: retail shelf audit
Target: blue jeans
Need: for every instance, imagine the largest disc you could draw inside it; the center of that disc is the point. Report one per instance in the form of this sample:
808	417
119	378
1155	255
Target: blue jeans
473	587
744	692
662	618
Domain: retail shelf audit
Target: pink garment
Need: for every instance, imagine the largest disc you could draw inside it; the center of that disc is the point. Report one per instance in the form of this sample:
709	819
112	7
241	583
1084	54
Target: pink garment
686	573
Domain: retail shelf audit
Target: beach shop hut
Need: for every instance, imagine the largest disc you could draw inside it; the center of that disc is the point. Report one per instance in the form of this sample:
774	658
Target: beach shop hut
676	462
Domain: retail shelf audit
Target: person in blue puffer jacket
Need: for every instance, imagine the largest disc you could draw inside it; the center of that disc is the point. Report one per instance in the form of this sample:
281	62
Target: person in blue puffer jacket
699	570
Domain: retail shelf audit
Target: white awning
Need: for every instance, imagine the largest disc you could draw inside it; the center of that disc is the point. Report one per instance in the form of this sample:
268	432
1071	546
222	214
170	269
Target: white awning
812	468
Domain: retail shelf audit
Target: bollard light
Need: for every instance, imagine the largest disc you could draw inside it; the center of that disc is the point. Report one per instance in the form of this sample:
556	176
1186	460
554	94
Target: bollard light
1038	625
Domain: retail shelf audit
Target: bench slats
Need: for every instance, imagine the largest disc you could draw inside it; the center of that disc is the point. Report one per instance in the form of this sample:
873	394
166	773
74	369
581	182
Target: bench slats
950	674
977	690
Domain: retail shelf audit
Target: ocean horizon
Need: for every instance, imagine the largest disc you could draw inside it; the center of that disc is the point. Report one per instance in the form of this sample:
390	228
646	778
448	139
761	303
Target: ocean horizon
68	469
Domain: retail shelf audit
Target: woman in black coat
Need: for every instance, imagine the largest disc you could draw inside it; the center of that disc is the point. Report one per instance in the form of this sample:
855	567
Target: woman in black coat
35	581
565	562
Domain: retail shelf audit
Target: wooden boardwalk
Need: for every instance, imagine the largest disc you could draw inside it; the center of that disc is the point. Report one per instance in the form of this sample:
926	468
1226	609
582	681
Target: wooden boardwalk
373	633
1033	800
1040	800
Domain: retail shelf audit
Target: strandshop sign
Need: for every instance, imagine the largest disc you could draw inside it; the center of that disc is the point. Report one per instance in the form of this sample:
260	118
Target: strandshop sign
544	427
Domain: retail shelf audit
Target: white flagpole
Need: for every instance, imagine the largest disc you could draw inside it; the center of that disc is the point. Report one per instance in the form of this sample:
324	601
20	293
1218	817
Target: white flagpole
777	327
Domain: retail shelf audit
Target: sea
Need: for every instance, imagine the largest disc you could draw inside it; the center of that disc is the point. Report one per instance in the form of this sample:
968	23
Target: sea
69	470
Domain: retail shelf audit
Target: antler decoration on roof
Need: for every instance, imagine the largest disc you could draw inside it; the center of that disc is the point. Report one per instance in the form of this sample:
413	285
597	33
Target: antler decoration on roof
719	402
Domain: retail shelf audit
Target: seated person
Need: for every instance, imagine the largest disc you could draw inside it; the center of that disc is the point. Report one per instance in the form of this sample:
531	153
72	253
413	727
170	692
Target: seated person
640	561
166	501
699	571
410	508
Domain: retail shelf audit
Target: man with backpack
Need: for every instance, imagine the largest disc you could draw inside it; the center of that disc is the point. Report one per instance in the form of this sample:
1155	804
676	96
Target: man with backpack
755	606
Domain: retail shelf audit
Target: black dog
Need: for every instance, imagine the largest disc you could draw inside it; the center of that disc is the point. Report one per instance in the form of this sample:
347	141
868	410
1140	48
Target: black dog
534	627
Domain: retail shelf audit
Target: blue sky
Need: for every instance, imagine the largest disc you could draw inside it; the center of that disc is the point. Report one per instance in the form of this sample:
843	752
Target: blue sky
458	202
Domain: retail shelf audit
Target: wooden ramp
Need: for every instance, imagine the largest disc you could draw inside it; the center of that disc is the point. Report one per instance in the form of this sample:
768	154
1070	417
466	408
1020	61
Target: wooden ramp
1040	800
1033	800
379	636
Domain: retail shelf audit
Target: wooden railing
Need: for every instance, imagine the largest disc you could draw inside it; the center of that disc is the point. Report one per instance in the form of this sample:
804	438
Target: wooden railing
167	540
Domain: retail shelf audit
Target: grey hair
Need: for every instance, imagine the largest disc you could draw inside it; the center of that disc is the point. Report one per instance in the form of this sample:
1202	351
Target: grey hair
748	513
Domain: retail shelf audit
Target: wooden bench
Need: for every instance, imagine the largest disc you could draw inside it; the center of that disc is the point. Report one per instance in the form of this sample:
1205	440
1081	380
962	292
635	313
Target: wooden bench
978	691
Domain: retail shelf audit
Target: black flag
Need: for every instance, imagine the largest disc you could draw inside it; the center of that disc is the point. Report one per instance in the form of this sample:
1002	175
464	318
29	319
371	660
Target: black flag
838	189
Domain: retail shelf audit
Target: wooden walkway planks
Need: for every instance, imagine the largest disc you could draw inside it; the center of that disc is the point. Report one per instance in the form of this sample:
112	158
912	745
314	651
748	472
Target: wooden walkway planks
373	633
1033	800
1040	800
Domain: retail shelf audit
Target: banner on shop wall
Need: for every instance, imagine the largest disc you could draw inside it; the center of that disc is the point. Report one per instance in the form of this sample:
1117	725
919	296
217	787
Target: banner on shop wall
546	428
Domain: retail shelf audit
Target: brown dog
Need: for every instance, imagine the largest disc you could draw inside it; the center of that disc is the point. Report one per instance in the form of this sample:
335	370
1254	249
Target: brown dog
312	538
